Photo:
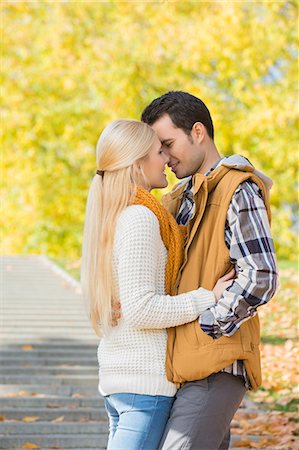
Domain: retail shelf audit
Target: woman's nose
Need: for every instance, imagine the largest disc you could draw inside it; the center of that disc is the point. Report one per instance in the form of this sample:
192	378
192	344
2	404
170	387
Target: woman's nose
166	158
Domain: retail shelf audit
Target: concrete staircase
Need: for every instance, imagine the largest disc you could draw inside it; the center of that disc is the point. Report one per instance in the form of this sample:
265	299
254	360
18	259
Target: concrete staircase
48	374
48	366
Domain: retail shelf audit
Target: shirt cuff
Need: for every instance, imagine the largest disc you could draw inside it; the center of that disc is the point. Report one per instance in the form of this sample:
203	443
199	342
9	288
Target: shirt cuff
208	324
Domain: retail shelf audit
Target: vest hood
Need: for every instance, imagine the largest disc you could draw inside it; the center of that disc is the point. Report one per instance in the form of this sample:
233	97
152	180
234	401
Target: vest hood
239	162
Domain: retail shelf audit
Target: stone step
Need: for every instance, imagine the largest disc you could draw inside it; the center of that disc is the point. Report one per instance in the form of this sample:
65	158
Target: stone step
12	342
85	441
51	428
49	402
57	352
49	370
47	362
9	310
57	345
54	380
35	293
68	323
63	319
37	309
48	390
34	317
38	316
47	331
62	343
46	414
34	296
12	337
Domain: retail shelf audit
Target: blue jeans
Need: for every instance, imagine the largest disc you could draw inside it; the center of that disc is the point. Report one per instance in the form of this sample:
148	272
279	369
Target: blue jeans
136	422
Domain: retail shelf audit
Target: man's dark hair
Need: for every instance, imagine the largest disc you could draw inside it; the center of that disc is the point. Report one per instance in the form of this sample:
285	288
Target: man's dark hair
184	110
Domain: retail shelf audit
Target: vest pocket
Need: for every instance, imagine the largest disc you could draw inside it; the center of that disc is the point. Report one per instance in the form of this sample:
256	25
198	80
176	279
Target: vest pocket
190	336
203	338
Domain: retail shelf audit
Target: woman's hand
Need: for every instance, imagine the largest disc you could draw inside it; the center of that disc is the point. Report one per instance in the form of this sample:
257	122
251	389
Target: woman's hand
223	283
116	314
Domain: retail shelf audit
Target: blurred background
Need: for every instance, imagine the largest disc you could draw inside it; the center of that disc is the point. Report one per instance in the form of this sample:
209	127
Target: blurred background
70	67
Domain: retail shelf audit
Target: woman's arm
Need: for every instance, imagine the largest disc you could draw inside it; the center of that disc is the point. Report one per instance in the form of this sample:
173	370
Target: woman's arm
138	246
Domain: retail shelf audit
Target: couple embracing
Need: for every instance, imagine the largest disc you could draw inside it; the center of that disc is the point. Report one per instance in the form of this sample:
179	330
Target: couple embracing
174	289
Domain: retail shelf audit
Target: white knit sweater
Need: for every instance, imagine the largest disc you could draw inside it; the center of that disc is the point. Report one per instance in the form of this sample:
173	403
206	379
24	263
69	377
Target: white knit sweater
132	356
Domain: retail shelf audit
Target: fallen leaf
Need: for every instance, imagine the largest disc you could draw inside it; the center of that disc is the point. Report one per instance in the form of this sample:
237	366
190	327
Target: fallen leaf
30	418
27	348
30	445
59	419
2	418
22	394
242	443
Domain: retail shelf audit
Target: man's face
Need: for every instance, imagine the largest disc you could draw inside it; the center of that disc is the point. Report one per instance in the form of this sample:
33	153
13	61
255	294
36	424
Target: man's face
185	152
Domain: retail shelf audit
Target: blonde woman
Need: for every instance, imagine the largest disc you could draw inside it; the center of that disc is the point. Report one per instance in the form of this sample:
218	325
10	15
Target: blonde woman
132	252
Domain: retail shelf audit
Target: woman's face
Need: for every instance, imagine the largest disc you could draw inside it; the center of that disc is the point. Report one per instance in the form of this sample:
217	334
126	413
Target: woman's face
154	165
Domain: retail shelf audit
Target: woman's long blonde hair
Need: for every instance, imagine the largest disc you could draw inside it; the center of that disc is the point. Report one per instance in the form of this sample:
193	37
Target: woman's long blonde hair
120	147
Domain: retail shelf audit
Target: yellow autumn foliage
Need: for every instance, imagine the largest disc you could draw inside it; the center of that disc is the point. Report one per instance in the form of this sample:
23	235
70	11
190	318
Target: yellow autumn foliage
71	67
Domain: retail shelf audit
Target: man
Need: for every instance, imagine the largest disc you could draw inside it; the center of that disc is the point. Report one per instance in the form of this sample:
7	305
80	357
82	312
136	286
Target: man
224	203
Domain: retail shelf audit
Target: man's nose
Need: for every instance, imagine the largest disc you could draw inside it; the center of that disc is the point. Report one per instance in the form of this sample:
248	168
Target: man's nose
166	158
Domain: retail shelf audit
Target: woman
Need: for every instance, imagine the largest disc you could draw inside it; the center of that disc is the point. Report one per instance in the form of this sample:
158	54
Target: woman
132	252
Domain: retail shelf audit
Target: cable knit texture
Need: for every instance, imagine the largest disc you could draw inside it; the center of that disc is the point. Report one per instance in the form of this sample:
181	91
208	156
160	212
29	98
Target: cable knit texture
132	356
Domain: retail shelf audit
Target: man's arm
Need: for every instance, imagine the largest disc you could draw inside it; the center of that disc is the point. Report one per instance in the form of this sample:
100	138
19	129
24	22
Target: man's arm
248	237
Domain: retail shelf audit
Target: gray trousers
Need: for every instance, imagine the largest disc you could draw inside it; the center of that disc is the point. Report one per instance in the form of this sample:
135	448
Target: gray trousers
202	412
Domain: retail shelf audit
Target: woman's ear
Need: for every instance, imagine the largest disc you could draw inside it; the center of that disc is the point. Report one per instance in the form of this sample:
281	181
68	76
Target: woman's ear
138	175
136	172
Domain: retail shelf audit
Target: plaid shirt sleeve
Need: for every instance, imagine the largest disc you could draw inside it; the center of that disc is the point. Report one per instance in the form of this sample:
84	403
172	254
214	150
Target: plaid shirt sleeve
248	238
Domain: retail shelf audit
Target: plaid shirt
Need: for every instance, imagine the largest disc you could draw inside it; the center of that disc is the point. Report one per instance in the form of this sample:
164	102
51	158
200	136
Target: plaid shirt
248	238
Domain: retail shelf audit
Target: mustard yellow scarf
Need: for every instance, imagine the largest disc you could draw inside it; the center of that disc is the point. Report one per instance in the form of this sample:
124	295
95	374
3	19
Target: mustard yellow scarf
172	235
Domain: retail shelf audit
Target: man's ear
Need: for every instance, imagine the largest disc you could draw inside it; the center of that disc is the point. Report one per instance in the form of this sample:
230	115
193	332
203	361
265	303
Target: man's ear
198	132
